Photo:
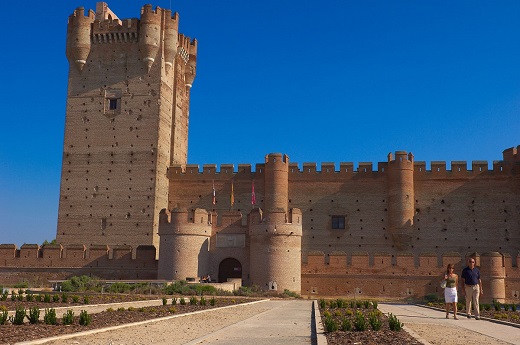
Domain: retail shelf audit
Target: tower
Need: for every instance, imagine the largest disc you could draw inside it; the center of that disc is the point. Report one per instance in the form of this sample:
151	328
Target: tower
400	198
126	123
276	234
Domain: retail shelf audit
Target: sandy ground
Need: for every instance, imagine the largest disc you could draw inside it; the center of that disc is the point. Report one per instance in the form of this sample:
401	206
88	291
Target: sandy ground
442	335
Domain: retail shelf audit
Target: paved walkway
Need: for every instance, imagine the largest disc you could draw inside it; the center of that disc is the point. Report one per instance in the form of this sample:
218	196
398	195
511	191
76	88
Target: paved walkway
431	327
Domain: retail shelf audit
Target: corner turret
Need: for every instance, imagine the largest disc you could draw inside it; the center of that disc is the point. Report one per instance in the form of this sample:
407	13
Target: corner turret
150	35
171	34
78	37
400	198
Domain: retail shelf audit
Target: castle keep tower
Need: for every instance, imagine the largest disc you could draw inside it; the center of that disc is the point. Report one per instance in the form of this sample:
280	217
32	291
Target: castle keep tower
400	198
275	235
126	123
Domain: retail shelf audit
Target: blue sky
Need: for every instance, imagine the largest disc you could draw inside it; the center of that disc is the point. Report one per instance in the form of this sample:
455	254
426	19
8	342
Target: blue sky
323	81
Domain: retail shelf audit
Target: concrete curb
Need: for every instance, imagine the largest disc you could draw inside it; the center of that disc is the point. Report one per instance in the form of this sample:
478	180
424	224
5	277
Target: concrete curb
501	322
101	330
318	336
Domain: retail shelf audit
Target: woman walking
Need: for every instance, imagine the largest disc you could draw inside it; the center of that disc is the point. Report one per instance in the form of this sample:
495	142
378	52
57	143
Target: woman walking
450	291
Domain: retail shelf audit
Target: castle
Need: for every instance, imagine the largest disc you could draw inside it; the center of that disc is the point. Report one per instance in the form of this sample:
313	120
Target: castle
131	207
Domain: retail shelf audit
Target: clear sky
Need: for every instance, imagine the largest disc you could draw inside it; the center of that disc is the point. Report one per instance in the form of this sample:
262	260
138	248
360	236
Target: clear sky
322	81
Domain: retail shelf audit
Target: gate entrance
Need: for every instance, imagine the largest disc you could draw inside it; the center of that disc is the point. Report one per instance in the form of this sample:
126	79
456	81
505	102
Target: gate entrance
229	268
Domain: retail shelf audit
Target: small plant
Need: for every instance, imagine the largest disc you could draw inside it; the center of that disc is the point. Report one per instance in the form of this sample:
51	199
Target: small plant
513	307
50	317
64	297
164	301
29	297
21	291
182	301
359	304
346	325
330	325
352	304
38	298
360	323
486	306
349	312
47	298
174	300
193	300
506	307
19	297
84	318
332	304
337	312
109	310
86	299
68	317
366	304
19	316
172	310
3	297
75	299
394	323
3	317
141	309
375	321
341	303
56	298
326	314
323	304
461	306
514	317
374	304
202	301
13	296
496	304
121	309
34	315
212	301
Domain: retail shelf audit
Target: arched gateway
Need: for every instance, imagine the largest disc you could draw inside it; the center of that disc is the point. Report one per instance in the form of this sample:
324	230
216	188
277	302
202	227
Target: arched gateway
229	268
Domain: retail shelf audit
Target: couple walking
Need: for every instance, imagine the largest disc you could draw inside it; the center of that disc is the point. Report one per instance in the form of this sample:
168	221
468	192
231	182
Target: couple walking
471	287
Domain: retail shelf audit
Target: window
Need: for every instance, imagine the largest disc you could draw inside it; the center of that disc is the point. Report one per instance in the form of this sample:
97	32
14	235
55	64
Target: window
338	222
112	105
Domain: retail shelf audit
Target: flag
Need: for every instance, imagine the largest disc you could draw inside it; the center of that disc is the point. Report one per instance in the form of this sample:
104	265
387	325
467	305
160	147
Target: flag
253	196
214	201
232	195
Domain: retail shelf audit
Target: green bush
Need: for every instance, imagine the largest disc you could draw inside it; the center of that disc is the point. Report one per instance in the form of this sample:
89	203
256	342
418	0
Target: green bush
64	297
19	297
332	304
86	299
359	304
394	323
56	298
366	304
22	285
174	300
164	301
506	307
461	306
75	299
50	317
182	301
212	301
202	301
431	297
4	295
360	323
29	297
374	304
84	318
323	304
288	293
3	317
68	317
330	325
346	325
81	283
38	298
497	305
341	303
375	321
513	307
193	300
119	288
19	316
352	304
34	315
13	296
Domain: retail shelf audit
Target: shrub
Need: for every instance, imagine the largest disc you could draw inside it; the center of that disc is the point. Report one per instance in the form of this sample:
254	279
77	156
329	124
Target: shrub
119	288
121	309
4	296
394	323
212	301
68	317
513	307
289	293
47	298
34	315
29	297
375	321
174	300
81	283
330	325
340	303
172	310
359	304
182	301
193	300
141	309
55	298
326	314
109	310
202	301
374	304
38	298
19	316
84	318
337	312
431	297
164	301
485	306
332	304
346	325
506	307
366	304
349	312
514	317
13	296
322	303
50	316
360	323
496	304
3	317
22	285
19	297
86	299
64	297
352	304
461	306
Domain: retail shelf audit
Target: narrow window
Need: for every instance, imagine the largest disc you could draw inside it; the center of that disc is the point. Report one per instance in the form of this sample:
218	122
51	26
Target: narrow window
338	222
112	104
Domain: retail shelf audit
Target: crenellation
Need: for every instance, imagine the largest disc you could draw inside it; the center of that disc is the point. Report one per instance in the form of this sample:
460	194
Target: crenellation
479	166
309	168
364	168
438	167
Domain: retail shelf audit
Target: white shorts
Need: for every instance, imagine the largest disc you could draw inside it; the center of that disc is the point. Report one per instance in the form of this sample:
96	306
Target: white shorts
450	295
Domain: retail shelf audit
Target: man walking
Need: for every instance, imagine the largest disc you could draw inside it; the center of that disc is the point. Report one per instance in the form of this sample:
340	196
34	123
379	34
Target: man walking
471	287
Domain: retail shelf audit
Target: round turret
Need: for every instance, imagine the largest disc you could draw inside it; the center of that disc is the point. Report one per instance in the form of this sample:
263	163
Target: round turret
400	198
493	276
150	35
78	37
171	33
184	245
191	67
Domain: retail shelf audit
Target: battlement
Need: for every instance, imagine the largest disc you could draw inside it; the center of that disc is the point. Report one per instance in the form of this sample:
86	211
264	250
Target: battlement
511	154
79	13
